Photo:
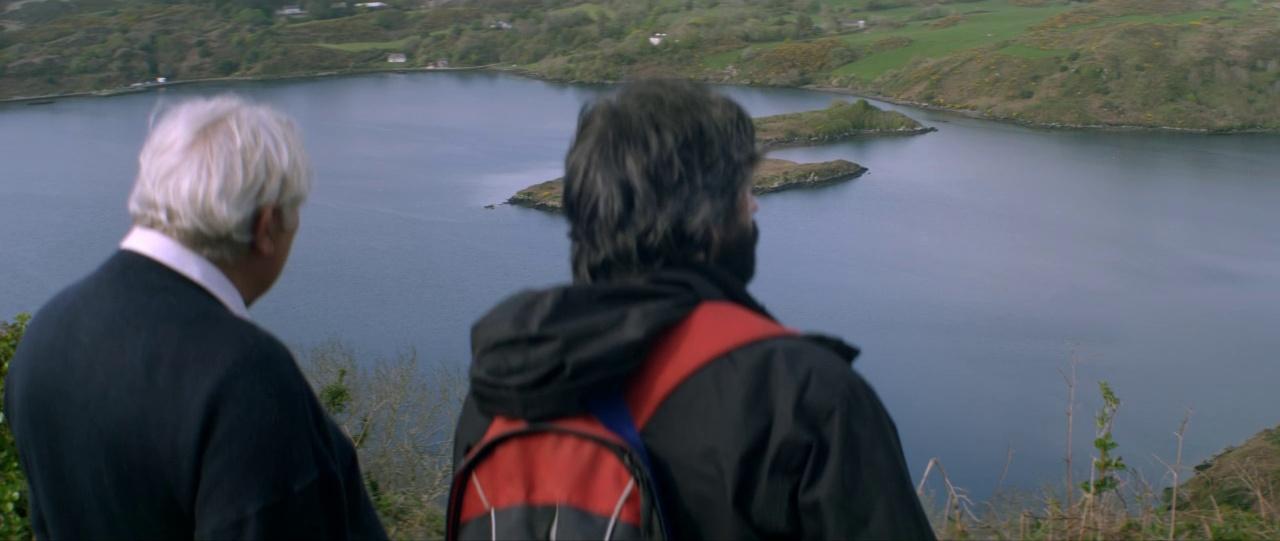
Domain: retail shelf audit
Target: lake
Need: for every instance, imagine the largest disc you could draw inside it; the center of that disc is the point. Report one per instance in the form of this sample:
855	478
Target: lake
969	264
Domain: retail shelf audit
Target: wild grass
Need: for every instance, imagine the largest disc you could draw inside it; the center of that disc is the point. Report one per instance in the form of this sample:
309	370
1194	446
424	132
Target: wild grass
1232	496
400	415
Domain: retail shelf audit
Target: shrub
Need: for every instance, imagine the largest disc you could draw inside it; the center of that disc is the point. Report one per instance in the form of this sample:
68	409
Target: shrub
930	13
253	17
14	520
400	417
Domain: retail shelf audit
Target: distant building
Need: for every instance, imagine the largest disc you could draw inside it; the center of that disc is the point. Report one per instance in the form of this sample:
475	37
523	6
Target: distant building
501	25
860	24
291	11
396	58
162	80
657	39
372	5
438	64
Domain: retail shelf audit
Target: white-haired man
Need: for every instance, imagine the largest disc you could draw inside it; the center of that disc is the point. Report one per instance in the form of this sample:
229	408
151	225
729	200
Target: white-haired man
145	403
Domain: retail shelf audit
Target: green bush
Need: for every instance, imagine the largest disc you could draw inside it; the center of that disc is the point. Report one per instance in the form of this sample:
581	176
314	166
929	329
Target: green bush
14	521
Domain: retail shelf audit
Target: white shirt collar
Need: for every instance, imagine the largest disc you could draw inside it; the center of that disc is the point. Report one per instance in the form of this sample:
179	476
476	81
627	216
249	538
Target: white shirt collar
182	260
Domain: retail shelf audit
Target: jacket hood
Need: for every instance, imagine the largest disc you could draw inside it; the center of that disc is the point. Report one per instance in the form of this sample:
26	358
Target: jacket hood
542	354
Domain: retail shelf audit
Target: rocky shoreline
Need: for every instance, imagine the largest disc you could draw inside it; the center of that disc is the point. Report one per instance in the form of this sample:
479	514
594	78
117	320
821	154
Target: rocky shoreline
812	141
778	175
118	91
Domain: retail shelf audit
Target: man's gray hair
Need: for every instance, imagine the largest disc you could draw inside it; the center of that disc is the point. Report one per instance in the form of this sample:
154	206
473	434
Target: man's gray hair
209	165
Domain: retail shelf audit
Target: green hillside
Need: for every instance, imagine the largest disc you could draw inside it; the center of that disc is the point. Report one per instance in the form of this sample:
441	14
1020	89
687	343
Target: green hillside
1208	64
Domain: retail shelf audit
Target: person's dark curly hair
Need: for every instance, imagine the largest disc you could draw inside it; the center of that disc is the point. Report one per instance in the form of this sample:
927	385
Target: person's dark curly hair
656	177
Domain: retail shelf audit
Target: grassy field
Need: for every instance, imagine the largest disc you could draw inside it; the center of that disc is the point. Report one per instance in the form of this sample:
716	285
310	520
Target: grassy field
595	11
1175	63
980	24
1027	51
997	21
358	46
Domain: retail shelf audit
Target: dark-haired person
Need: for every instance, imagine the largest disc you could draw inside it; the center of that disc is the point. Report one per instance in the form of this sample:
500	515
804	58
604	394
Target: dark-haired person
777	438
145	402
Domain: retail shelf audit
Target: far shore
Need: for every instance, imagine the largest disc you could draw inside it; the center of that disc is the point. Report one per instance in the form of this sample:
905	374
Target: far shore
522	72
969	113
119	91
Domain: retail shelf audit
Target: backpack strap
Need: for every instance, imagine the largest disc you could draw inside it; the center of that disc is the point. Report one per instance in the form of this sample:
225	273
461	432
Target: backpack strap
614	414
712	330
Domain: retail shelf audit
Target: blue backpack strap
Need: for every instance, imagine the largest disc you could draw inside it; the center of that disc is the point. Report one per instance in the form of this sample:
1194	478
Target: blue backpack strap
612	412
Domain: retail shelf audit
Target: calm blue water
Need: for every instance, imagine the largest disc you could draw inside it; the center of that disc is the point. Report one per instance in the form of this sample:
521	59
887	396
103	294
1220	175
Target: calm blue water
968	264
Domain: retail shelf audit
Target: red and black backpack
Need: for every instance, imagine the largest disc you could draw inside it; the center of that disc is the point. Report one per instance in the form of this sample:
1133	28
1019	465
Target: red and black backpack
588	476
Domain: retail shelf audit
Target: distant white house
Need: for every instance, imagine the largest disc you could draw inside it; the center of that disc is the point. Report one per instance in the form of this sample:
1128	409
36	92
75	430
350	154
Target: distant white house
291	11
372	5
501	25
657	39
860	24
162	80
396	58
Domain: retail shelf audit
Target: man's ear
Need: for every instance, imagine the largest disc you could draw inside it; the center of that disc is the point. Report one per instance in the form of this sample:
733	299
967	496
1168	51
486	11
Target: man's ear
264	231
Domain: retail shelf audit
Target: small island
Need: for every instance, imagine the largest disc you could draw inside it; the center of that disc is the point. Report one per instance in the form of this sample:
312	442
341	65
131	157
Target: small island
842	120
771	176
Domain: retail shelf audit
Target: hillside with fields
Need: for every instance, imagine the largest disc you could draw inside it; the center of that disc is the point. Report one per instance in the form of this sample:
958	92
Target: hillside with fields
1203	64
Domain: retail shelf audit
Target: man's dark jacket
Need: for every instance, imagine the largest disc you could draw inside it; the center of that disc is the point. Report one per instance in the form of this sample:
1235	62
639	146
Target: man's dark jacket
143	408
778	439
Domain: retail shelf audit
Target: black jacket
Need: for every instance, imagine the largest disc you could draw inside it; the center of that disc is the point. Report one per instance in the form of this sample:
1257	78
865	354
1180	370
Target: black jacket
778	439
144	409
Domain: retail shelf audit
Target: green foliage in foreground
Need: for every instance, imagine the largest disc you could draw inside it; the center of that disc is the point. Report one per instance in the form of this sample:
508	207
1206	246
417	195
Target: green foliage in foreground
1231	497
1240	483
400	415
1106	466
14	519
